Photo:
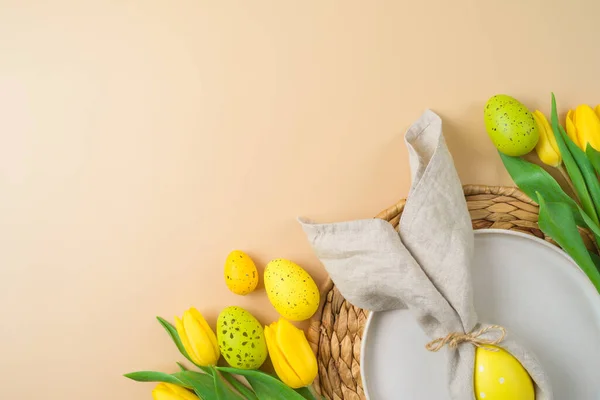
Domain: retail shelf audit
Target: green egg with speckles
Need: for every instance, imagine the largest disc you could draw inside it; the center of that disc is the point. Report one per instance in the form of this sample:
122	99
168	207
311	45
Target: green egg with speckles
510	125
291	290
241	338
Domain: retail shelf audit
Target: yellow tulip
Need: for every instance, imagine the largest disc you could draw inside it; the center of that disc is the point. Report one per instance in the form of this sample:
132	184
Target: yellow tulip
598	110
197	338
546	148
583	126
292	357
571	130
168	391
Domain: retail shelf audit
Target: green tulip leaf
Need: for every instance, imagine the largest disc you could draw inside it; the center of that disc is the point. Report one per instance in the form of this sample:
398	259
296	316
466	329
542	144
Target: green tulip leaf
586	168
239	386
202	384
174	335
594	157
265	386
177	340
181	367
556	220
224	392
595	259
307	393
589	223
531	179
154	376
573	168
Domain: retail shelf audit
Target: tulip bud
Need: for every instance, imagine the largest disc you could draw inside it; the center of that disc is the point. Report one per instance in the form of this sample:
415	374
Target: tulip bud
546	148
168	391
293	359
584	124
197	338
571	131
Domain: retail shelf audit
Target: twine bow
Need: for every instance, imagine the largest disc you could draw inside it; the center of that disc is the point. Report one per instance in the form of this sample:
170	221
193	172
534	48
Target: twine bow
453	340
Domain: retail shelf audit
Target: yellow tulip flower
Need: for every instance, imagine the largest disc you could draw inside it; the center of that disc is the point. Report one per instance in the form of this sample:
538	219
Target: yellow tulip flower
571	130
583	126
292	357
168	391
598	110
546	148
197	338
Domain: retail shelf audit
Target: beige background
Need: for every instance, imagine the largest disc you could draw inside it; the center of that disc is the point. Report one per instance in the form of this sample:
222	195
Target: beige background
142	140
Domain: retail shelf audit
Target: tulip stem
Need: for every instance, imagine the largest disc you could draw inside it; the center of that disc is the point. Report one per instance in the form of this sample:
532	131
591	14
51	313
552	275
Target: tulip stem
565	175
313	392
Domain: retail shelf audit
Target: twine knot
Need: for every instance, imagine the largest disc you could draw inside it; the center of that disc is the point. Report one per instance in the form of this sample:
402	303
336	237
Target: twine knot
453	340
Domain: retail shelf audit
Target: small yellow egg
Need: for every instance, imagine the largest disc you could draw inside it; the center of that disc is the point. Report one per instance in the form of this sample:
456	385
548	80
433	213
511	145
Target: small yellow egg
500	376
241	275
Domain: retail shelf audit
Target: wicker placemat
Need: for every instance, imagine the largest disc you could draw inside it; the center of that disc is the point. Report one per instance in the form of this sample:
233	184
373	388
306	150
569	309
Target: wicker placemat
336	329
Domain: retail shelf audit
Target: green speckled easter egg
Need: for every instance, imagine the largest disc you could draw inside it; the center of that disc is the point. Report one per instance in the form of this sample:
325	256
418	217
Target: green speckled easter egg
510	125
241	338
291	290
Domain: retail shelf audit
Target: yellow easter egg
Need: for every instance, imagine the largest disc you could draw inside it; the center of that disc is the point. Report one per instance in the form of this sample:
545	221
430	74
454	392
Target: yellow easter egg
291	290
240	273
500	376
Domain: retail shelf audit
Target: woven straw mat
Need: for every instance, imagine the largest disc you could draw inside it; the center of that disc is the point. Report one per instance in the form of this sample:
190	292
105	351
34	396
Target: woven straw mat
336	330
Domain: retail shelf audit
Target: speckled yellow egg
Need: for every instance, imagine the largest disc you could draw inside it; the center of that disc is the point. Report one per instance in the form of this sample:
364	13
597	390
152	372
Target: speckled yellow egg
500	376
241	275
291	290
510	125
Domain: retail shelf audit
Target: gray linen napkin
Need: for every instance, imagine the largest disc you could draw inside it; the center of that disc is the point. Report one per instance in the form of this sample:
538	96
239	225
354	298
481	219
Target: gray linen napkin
425	267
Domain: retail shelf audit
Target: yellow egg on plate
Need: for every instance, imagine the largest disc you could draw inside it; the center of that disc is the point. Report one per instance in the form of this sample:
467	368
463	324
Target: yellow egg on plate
241	275
500	376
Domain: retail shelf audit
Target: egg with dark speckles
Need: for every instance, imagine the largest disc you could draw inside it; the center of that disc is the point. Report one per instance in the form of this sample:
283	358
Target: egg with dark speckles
241	275
510	125
241	338
291	290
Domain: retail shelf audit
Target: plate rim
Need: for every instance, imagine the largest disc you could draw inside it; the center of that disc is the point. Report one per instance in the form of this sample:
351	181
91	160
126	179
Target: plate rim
485	231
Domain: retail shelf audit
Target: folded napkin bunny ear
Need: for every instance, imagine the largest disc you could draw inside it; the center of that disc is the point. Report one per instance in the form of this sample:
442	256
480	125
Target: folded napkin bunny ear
426	266
368	262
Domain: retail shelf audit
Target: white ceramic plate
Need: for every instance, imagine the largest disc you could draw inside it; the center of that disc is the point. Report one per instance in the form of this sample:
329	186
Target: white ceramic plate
520	282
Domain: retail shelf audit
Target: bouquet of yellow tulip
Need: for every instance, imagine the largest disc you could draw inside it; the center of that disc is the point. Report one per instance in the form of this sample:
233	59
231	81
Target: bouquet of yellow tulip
244	343
574	152
292	357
